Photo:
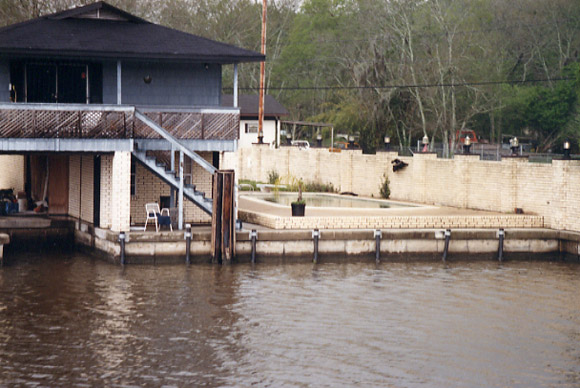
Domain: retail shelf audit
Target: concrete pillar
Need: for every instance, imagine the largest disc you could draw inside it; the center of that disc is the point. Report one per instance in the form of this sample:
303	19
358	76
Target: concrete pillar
121	192
557	219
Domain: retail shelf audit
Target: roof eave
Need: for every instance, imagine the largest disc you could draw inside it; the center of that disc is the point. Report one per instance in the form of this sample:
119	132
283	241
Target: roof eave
221	59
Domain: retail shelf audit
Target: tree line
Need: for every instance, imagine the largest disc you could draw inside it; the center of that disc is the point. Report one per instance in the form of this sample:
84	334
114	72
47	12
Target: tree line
403	68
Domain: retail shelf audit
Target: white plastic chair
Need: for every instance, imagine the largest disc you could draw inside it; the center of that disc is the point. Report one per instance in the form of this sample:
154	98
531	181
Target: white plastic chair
153	213
151	210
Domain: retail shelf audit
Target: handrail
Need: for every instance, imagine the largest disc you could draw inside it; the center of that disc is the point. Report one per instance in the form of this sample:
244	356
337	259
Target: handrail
67	107
167	136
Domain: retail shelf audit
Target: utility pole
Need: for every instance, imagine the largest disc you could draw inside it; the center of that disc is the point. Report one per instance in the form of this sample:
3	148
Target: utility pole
262	76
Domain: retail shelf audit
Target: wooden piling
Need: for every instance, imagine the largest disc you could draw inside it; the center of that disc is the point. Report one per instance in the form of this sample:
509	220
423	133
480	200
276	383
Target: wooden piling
223	219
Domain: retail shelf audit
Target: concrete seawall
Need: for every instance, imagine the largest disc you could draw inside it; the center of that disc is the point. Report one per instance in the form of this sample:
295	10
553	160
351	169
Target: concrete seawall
296	245
396	244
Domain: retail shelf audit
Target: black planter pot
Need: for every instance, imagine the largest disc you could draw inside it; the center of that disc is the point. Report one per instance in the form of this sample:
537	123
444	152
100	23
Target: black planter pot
298	209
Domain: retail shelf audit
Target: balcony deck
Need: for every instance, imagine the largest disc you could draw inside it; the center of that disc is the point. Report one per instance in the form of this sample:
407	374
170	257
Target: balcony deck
50	126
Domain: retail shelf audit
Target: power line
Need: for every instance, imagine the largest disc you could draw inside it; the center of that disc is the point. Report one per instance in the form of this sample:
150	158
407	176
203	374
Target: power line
408	86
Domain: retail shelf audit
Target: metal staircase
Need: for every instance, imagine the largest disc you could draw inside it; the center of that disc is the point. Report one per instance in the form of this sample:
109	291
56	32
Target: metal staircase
172	178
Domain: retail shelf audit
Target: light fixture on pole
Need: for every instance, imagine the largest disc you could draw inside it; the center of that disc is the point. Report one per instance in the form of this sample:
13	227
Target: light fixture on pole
467	145
425	142
514	144
387	143
566	149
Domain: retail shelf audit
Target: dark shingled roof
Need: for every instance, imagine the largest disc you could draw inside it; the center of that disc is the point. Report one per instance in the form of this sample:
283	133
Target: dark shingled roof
120	35
249	105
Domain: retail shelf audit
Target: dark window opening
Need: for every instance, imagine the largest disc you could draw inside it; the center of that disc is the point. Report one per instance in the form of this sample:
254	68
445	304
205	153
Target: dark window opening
56	82
41	83
216	160
133	177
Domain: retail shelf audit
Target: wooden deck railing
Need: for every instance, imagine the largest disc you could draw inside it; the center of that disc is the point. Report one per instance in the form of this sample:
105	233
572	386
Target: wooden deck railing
114	122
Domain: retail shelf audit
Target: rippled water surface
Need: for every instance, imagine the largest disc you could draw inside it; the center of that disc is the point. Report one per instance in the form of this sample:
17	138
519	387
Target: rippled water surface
75	321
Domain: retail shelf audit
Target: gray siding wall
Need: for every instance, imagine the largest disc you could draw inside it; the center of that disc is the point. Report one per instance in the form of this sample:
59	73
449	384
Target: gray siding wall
4	81
172	84
109	82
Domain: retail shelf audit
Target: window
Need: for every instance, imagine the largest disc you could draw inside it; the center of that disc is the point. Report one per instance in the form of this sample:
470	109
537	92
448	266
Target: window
56	82
251	128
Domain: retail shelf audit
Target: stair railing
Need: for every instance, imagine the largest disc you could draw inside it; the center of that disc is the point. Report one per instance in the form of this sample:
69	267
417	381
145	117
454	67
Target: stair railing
182	150
167	136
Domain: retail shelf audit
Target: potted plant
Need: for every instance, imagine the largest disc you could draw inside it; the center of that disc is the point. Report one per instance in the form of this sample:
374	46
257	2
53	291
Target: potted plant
298	206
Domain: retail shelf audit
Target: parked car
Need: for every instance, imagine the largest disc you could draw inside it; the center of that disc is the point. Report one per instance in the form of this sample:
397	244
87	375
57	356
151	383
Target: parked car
344	145
462	134
302	144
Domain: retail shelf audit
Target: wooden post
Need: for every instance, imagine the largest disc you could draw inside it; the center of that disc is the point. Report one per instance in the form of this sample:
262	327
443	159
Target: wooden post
228	221
181	183
216	219
223	220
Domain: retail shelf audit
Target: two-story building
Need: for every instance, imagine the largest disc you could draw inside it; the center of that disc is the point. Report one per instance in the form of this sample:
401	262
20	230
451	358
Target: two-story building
98	107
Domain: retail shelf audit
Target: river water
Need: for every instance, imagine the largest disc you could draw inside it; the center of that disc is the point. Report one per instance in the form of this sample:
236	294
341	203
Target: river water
74	321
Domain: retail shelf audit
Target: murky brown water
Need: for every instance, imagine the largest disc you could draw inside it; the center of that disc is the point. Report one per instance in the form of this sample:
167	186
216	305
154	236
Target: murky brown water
74	321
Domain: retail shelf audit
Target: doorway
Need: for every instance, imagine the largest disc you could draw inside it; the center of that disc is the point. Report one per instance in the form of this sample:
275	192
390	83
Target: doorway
58	184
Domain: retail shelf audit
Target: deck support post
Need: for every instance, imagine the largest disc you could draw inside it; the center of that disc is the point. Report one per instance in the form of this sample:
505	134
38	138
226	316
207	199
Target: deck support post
236	85
172	192
180	210
119	98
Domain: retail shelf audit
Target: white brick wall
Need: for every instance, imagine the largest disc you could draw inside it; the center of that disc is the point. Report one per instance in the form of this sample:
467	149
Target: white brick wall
81	183
106	183
551	191
120	205
12	172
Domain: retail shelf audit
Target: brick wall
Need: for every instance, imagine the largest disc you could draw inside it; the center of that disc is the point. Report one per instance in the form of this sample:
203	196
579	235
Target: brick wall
106	187
81	181
12	176
394	222
120	198
74	178
548	190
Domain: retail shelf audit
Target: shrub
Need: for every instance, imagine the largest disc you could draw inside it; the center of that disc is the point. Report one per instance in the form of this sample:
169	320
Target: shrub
273	177
245	183
384	188
317	187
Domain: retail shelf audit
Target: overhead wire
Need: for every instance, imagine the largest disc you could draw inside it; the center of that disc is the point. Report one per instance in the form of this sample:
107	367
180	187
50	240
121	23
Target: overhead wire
410	86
